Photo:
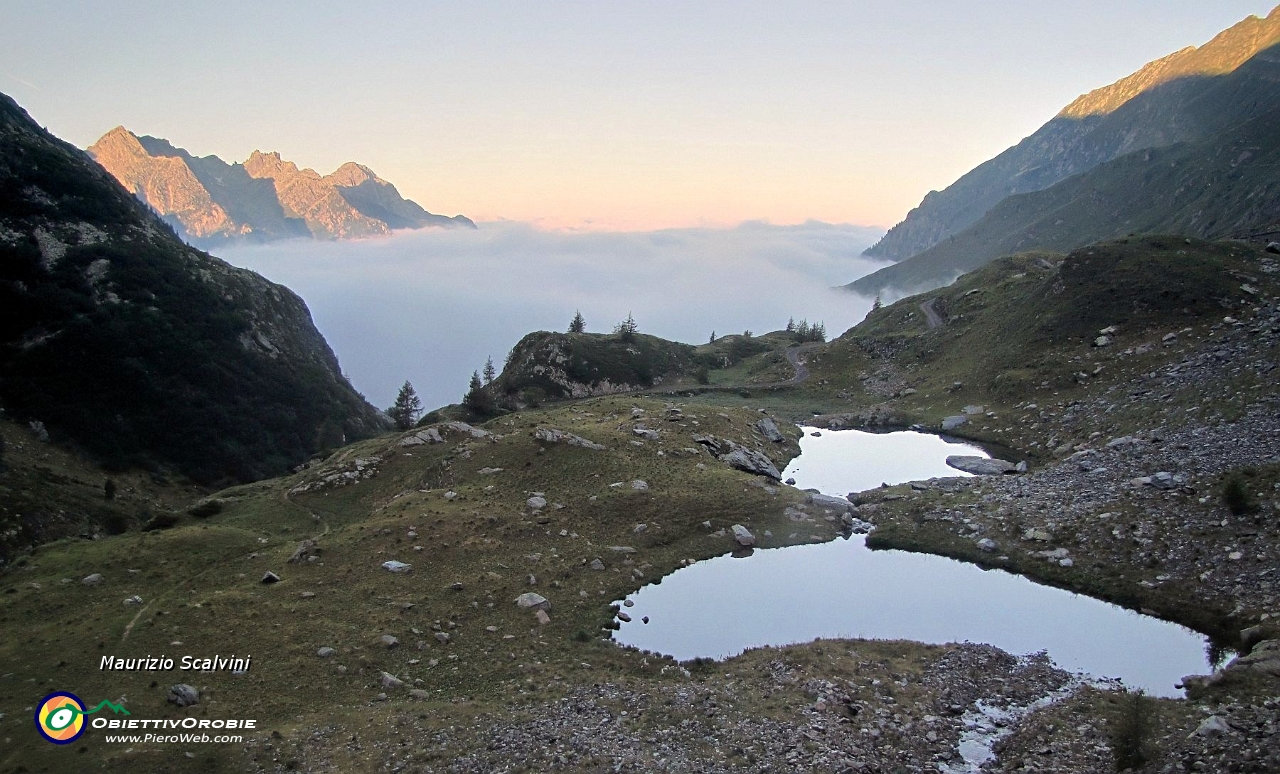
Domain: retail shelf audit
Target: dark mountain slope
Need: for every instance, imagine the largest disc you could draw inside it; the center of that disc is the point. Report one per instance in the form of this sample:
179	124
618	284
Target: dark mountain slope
141	350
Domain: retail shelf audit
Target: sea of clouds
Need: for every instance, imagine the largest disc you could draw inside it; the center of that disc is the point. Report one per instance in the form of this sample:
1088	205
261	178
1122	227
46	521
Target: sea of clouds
429	306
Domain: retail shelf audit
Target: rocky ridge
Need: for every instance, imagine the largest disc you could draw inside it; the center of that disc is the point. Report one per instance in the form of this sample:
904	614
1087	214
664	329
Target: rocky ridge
263	199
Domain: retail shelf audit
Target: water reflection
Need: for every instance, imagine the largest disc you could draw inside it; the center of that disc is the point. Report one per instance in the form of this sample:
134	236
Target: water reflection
720	607
842	461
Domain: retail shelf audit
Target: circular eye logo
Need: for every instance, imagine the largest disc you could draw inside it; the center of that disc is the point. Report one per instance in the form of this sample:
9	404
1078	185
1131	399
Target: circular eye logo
60	717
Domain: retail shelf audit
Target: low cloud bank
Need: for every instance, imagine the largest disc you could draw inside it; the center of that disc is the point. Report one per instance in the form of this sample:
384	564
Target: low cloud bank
430	306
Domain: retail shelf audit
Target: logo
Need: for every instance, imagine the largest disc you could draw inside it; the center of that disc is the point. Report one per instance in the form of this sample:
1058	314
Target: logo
60	716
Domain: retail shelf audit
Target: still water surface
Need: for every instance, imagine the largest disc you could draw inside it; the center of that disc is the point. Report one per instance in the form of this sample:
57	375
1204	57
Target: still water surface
719	607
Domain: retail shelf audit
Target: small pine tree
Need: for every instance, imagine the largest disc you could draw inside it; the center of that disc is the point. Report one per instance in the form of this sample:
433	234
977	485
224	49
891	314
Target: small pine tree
627	329
1130	732
819	332
746	334
791	325
713	338
477	400
407	408
489	371
875	305
577	324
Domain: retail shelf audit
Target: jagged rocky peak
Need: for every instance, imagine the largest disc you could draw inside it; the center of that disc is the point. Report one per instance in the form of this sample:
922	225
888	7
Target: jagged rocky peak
353	174
266	198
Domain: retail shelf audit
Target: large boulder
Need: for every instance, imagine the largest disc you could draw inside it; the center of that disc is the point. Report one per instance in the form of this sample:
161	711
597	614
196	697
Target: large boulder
980	466
743	537
769	429
839	504
551	435
532	601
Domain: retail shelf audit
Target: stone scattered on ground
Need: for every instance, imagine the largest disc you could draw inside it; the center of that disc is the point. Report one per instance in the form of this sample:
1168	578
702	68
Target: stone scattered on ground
183	695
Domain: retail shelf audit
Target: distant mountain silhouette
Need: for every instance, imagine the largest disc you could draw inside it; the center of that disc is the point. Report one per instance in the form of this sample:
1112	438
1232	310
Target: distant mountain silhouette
266	198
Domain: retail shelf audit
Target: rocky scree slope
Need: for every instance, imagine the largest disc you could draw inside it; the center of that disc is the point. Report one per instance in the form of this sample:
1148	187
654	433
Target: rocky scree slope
141	350
1174	99
263	199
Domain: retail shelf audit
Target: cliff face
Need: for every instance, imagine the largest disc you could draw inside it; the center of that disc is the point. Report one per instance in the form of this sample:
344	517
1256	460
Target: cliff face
128	343
263	199
1159	105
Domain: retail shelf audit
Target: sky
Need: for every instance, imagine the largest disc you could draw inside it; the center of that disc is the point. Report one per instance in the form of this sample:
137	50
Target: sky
596	116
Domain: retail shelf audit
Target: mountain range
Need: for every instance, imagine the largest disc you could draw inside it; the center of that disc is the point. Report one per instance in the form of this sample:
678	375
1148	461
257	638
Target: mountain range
122	341
263	199
1204	101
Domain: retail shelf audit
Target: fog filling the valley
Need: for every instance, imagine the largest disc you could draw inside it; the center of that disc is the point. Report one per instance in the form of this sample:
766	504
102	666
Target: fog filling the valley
429	306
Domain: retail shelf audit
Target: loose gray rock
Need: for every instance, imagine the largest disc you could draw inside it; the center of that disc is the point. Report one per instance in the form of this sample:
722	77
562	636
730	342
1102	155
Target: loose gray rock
326	652
639	485
1214	725
751	461
971	410
183	695
742	536
93	580
391	682
536	503
443	637
980	466
532	601
542	617
392	565
951	423
769	429
270	577
987	544
596	564
134	600
828	501
429	435
389	641
646	433
551	435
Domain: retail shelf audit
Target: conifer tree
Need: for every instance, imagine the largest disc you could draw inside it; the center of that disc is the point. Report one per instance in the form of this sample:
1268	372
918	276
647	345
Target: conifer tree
489	371
407	408
627	329
577	324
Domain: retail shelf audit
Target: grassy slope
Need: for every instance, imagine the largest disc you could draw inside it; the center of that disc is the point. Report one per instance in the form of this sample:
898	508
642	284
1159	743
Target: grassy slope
200	580
1021	328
